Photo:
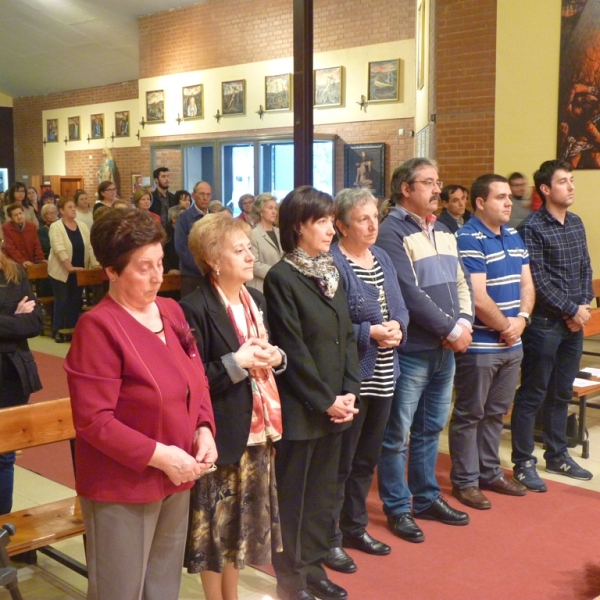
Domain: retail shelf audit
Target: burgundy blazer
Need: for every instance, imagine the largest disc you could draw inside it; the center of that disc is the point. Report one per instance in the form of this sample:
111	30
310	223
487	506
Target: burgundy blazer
24	245
130	390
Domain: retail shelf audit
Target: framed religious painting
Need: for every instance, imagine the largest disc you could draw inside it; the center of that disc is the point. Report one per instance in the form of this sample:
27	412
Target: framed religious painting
74	127
52	130
383	81
278	92
364	167
155	106
97	126
233	97
122	123
192	98
328	87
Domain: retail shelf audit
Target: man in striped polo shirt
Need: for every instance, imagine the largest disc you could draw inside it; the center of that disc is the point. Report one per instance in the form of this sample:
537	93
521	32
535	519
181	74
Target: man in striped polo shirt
487	374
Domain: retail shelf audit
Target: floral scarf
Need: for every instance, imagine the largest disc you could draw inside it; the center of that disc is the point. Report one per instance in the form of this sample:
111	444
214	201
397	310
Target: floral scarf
321	269
266	405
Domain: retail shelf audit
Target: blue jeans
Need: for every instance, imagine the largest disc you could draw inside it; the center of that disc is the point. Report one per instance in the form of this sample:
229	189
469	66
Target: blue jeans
550	362
420	407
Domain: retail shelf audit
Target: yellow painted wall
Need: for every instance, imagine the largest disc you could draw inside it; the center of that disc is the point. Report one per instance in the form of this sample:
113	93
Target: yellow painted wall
527	68
6	100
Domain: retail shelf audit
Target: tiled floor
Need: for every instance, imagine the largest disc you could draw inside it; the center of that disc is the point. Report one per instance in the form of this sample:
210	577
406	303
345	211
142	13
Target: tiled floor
50	581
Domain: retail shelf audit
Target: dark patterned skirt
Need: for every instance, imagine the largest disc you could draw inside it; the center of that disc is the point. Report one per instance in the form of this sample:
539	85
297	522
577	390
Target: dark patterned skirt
234	516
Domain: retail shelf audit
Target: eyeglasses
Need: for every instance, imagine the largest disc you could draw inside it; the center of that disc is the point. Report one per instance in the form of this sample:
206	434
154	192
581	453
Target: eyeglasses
430	183
110	190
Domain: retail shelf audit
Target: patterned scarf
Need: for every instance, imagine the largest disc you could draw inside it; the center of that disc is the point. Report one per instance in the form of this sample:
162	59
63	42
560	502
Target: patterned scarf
266	405
321	269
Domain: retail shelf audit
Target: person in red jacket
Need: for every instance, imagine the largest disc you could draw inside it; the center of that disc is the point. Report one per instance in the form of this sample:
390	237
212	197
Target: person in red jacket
21	240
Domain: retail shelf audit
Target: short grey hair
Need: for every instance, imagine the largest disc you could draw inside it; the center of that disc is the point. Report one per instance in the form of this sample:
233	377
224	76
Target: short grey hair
175	211
48	207
260	202
348	199
407	173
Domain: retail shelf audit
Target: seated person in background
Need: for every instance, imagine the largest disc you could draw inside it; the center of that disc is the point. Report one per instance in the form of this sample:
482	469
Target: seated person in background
454	214
49	215
171	258
20	238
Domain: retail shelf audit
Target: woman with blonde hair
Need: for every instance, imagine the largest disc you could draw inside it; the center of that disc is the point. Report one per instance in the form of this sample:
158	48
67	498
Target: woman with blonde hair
235	515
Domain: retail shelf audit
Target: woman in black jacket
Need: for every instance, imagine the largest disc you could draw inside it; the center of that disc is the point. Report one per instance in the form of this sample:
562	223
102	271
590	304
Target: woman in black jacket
309	319
20	318
234	518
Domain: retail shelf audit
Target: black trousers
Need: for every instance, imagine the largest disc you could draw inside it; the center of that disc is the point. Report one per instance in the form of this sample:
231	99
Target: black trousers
306	486
361	449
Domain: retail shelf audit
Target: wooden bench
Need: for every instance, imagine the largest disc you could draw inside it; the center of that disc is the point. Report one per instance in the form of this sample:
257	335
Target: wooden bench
28	426
90	277
36	273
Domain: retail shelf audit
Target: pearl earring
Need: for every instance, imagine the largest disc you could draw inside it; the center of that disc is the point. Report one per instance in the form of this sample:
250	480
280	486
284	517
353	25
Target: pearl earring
217	271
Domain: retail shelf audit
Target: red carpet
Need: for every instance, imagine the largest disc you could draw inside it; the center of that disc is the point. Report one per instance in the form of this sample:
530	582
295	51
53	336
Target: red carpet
538	547
54	460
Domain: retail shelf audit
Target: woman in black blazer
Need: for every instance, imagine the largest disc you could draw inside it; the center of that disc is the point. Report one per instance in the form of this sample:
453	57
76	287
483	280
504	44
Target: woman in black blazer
20	318
309	318
234	518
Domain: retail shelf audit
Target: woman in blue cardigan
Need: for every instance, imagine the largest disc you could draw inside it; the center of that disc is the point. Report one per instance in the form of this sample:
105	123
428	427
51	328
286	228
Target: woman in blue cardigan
380	320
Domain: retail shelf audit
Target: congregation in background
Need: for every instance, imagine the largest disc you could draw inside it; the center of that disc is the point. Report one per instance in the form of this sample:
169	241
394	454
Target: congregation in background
315	342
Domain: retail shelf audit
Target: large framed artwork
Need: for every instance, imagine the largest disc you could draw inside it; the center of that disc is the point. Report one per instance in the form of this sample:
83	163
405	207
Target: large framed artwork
328	86
233	97
364	167
155	106
97	126
192	98
278	92
578	131
52	130
383	81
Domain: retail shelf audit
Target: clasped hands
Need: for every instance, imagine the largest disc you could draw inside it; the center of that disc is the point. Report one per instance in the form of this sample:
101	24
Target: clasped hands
387	335
181	467
256	353
343	410
579	321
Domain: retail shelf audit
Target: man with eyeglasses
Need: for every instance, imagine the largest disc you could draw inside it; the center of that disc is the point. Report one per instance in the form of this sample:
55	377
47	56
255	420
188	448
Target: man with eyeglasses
191	275
437	291
162	198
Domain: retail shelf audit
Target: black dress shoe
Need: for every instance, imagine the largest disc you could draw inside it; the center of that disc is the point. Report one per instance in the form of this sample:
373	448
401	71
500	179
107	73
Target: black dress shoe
441	511
365	543
294	595
327	590
404	526
339	561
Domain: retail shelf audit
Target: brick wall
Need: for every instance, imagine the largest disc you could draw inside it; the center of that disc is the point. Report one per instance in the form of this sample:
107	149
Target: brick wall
127	162
465	88
219	33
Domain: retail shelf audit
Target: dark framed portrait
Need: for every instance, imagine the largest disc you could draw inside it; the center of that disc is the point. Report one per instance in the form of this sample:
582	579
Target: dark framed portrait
97	126
192	98
74	126
328	85
364	167
122	123
155	106
383	81
278	92
52	130
233	97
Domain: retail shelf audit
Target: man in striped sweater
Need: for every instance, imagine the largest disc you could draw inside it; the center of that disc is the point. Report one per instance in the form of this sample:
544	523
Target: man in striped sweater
437	293
487	374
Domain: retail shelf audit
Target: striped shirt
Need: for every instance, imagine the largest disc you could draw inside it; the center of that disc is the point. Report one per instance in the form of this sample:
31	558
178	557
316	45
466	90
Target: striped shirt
501	257
382	382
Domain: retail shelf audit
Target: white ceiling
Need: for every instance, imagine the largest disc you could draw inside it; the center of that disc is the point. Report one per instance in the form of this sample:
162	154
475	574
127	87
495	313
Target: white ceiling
59	45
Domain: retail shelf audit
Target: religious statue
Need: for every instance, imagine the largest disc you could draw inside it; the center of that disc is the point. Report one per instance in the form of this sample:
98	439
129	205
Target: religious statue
106	172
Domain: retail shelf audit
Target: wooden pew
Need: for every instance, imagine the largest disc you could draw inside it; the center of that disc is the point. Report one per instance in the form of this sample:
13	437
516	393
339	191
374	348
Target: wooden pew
88	277
36	273
28	426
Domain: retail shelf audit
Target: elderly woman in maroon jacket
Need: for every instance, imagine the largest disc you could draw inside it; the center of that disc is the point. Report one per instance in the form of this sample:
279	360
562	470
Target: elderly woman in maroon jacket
143	418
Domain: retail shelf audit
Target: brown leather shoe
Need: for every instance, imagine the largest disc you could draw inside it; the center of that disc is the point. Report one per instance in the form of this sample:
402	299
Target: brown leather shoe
471	496
504	485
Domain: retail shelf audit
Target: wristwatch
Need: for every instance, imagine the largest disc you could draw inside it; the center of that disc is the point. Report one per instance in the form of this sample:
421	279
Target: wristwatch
526	316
